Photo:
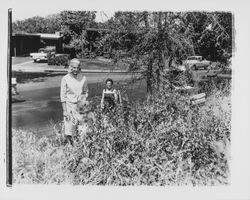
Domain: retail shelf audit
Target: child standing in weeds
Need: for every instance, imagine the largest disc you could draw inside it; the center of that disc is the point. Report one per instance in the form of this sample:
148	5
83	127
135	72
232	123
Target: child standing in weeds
109	100
73	89
109	97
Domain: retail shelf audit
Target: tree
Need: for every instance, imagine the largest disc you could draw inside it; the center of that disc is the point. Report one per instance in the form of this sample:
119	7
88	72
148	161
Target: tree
79	42
77	21
73	26
152	40
212	34
49	24
52	23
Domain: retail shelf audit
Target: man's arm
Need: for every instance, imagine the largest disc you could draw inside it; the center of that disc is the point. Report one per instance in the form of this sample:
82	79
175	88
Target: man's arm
102	105
63	97
86	89
65	113
116	96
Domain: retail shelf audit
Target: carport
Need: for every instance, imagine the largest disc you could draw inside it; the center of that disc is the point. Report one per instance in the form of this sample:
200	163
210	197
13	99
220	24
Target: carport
52	40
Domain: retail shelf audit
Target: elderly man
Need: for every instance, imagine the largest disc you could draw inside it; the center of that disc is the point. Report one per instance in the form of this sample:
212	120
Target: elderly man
74	89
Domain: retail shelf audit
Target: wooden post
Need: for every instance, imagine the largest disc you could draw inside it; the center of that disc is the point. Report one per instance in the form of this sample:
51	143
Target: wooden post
9	124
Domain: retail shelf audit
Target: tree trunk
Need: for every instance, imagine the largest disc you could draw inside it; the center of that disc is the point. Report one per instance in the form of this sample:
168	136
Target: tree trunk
160	51
150	64
150	79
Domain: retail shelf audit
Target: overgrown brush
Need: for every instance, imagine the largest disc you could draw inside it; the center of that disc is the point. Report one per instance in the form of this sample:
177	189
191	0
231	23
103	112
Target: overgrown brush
58	59
164	142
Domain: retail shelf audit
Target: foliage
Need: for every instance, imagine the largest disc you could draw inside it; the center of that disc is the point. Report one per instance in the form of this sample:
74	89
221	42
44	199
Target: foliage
74	25
77	21
49	24
70	23
58	59
79	43
212	34
155	41
165	142
151	40
173	35
142	31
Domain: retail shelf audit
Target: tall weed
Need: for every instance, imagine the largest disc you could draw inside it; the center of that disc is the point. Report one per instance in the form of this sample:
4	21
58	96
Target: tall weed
163	142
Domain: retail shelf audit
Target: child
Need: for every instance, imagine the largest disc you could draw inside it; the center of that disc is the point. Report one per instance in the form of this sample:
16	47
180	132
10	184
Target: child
109	97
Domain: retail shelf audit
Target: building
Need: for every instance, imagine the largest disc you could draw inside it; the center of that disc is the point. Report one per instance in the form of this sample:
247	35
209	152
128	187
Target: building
22	44
48	39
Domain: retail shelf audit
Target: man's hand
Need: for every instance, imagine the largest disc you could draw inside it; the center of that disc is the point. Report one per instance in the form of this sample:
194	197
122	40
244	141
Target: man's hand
65	114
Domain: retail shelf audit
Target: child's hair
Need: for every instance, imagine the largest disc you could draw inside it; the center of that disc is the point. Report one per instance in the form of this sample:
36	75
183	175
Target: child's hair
109	80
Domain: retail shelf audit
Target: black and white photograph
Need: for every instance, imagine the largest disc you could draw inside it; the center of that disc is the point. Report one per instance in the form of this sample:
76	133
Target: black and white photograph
121	97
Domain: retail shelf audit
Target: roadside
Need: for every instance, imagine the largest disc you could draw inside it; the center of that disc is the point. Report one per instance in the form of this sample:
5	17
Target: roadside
20	60
24	68
99	65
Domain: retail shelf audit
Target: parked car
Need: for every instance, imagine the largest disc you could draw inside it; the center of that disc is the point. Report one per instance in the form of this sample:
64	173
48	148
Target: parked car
42	54
197	62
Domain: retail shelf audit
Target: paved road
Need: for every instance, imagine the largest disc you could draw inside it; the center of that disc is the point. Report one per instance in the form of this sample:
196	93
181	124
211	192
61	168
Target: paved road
42	102
25	64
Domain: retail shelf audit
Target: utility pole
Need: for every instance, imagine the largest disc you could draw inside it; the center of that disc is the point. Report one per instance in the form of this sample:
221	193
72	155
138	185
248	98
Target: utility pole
9	124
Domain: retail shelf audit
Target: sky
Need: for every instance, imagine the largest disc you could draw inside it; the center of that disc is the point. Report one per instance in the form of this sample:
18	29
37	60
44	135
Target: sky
20	14
23	9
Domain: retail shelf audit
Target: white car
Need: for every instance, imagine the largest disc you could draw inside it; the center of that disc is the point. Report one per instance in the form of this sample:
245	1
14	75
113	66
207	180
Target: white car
197	62
40	56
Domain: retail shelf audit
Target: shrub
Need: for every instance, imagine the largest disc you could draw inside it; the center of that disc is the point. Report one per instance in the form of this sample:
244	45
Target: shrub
164	142
215	84
58	59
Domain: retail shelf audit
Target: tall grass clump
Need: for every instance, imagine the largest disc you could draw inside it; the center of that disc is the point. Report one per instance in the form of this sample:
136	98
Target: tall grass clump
163	142
39	160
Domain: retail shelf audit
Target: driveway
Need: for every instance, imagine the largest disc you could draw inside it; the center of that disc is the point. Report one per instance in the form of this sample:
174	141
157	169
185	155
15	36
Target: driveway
25	64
